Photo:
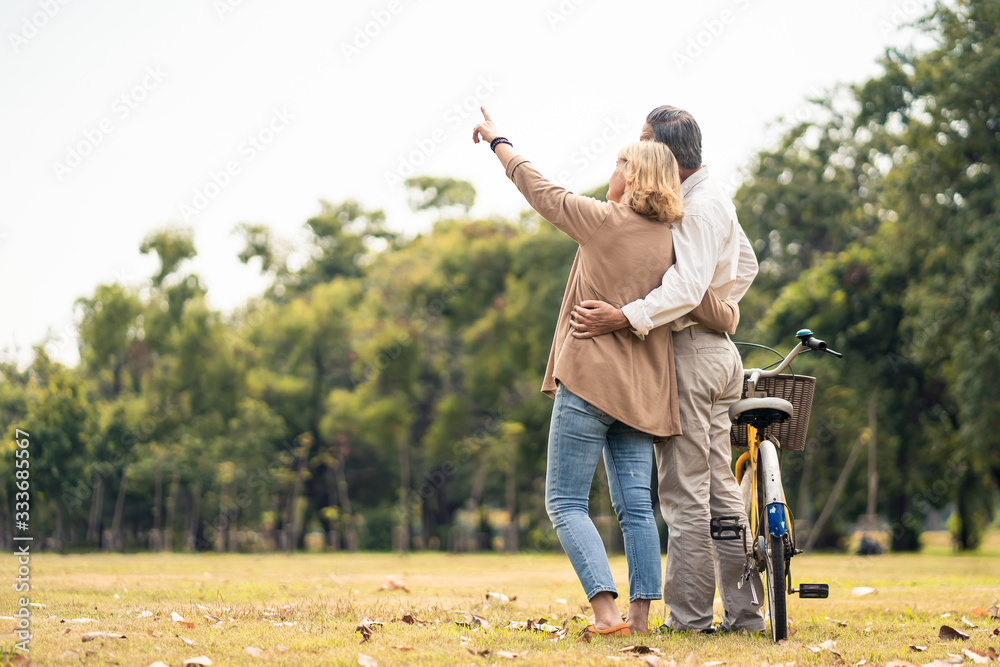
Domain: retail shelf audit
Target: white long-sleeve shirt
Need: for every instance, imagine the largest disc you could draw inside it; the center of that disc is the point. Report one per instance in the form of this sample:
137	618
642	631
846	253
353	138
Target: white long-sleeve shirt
710	249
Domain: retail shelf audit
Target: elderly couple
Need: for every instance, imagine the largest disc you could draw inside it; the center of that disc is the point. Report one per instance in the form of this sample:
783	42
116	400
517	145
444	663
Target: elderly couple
641	362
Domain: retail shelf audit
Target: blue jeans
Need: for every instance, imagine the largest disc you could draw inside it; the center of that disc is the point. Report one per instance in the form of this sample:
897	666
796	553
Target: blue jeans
578	434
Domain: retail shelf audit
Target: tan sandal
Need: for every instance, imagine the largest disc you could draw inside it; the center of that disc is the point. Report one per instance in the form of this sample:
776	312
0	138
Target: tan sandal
590	632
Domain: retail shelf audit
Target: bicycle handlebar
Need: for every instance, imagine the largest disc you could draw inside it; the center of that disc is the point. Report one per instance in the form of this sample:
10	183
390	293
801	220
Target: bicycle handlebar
806	343
820	345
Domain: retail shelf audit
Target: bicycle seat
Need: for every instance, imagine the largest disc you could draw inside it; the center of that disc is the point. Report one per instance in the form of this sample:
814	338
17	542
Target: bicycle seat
760	412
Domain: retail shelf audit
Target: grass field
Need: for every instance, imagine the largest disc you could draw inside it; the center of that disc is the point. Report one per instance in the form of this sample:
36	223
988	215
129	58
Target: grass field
305	609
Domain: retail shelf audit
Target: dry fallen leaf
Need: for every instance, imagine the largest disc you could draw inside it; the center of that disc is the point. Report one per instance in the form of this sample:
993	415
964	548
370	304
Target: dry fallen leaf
899	663
946	662
480	652
839	622
978	657
91	636
175	617
254	651
393	584
918	648
535	624
714	663
185	624
473	621
508	654
969	623
862	590
639	650
78	620
829	645
201	661
948	632
490	595
367	660
185	640
367	628
994	612
410	619
159	664
403	648
212	619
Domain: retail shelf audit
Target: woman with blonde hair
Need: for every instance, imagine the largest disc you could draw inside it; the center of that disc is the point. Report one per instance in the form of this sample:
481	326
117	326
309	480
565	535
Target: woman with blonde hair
613	393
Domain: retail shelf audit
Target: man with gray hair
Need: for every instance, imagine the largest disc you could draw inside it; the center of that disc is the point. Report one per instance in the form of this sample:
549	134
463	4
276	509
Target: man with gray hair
696	480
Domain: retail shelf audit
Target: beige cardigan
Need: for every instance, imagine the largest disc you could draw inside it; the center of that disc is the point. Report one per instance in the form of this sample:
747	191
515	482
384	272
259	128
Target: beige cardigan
622	256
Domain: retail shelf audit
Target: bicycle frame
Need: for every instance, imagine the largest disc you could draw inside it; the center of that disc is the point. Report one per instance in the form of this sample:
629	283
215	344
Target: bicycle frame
764	454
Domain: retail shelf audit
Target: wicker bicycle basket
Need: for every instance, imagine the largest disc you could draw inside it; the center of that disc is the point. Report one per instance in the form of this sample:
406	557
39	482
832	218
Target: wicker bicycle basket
797	390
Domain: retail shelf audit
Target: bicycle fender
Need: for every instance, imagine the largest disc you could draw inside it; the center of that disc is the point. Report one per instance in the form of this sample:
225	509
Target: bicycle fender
774	495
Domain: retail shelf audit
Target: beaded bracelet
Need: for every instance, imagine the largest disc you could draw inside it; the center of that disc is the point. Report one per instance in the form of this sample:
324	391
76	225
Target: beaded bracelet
497	141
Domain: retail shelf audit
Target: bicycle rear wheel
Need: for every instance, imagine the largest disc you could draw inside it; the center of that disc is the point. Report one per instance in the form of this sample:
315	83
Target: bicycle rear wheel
775	563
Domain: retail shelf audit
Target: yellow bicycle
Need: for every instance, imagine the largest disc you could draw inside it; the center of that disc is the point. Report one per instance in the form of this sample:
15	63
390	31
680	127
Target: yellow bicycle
773	414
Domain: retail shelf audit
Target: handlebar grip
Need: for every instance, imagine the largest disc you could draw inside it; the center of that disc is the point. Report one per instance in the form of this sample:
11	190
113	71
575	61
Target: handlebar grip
820	345
816	344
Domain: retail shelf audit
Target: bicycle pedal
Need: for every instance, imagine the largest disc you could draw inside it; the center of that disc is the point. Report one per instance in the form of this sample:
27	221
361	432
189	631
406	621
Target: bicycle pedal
814	590
726	528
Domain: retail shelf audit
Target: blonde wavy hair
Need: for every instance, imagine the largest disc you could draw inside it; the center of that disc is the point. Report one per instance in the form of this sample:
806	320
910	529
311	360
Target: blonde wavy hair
652	181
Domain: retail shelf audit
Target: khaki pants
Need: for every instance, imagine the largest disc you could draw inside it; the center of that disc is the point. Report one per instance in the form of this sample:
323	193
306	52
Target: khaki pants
696	482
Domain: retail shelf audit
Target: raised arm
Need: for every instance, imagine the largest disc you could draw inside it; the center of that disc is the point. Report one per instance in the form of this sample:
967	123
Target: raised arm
579	217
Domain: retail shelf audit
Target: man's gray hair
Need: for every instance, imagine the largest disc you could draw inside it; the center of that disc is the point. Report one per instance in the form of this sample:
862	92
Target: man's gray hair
678	130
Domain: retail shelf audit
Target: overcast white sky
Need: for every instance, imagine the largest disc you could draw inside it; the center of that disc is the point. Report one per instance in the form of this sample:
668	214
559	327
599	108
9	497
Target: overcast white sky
121	117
